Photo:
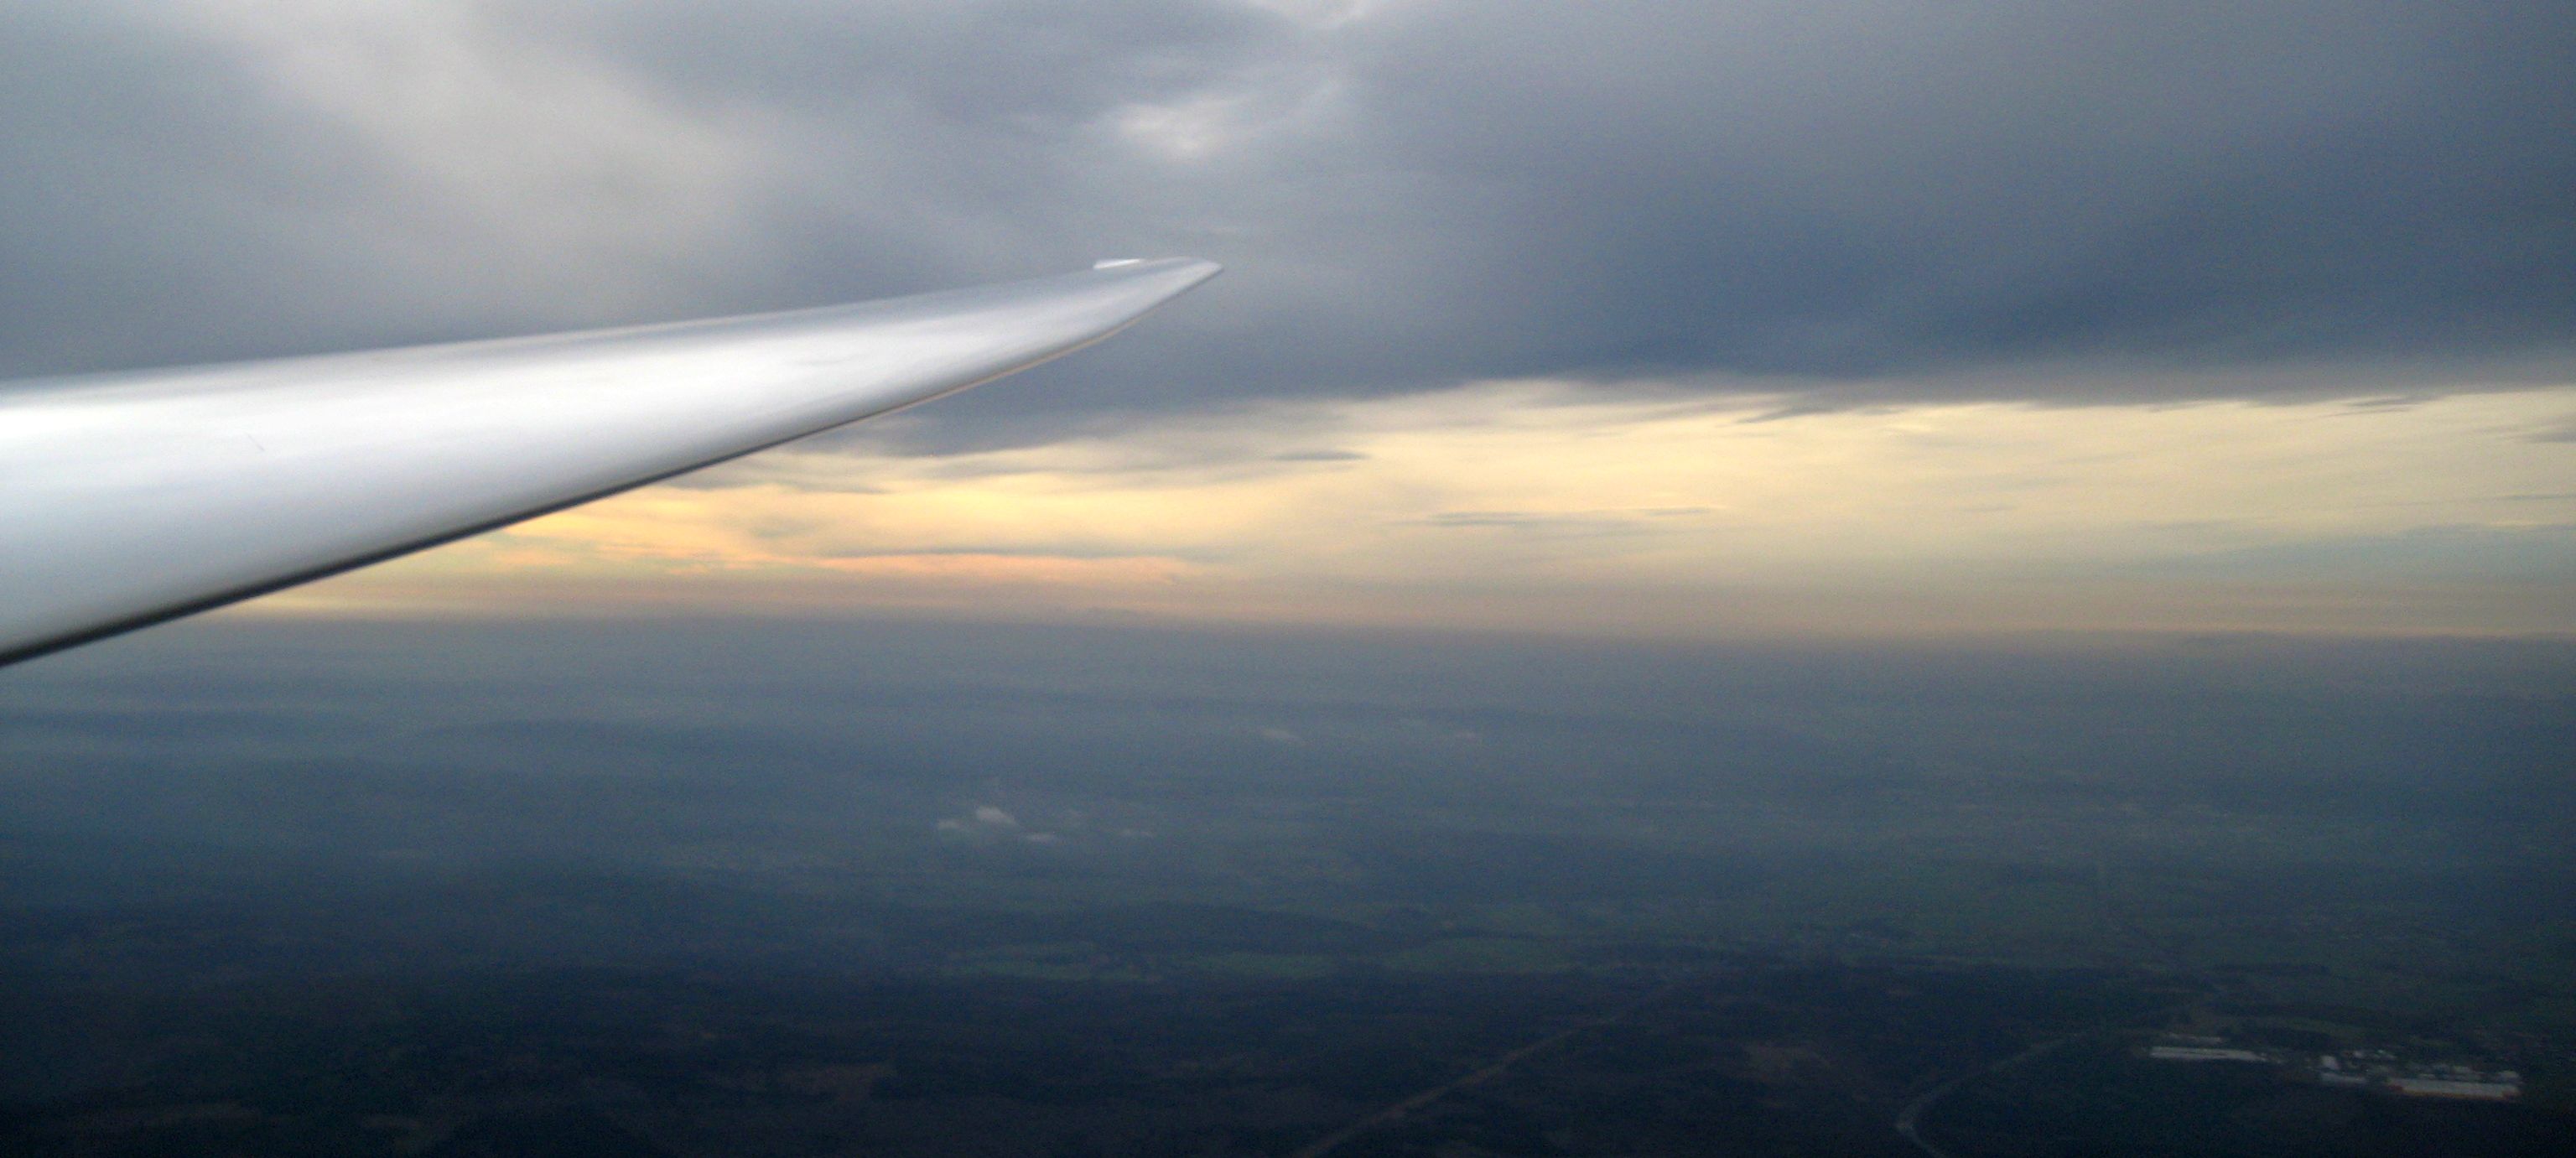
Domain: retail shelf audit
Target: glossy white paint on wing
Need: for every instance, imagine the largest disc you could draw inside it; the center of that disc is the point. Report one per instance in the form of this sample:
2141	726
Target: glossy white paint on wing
133	498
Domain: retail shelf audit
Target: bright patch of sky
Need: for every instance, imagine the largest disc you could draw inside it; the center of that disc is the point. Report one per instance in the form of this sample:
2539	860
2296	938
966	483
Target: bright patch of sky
1540	505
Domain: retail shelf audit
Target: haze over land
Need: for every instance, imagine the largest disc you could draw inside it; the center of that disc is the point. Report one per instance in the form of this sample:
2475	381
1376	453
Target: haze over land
935	886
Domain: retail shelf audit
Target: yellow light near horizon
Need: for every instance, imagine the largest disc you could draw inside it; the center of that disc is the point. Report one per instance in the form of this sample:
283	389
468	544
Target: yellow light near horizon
1539	504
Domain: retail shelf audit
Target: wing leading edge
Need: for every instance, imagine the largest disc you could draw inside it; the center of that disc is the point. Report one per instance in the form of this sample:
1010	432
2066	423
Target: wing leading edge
129	499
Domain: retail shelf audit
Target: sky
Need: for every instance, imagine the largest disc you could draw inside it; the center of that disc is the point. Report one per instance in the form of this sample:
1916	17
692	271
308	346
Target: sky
1636	320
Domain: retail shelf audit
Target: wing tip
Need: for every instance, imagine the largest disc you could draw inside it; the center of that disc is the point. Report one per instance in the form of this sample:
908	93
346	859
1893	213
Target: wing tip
1204	267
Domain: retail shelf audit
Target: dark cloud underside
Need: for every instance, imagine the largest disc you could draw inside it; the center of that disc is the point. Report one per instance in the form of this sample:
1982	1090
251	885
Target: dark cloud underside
1420	194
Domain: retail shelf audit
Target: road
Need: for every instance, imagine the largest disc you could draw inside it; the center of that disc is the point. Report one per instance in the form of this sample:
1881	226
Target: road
1488	1072
1913	1113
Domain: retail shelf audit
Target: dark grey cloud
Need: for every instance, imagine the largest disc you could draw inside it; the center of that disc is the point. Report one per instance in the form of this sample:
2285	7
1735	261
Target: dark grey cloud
1846	200
1881	187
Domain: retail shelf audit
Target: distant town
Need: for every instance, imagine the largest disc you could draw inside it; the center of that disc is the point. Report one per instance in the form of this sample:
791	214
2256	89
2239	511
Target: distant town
2378	1070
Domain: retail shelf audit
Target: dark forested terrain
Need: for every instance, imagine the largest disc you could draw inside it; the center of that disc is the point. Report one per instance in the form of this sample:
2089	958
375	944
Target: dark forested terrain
439	890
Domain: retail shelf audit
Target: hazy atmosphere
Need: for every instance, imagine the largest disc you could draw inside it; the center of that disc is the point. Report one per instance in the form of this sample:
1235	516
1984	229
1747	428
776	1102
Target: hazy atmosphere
1746	578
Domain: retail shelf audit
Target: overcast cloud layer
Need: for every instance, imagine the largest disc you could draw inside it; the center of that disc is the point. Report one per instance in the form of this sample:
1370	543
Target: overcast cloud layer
1857	199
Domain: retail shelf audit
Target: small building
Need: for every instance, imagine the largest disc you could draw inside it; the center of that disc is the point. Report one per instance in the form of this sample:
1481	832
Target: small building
2500	1087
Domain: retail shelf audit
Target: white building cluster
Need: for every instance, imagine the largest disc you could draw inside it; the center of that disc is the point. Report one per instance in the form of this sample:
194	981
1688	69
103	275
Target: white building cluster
2365	1069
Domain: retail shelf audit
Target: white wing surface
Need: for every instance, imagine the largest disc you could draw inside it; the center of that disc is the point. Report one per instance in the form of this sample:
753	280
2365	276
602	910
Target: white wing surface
133	498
